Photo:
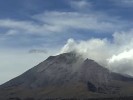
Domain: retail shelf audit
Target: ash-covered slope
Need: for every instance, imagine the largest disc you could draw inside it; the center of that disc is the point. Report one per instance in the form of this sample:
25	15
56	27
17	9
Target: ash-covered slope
55	70
70	75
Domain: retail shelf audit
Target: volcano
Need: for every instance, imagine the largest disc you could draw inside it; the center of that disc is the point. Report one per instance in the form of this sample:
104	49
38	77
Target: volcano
67	75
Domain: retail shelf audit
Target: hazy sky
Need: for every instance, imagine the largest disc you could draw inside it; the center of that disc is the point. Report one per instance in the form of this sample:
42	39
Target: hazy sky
31	30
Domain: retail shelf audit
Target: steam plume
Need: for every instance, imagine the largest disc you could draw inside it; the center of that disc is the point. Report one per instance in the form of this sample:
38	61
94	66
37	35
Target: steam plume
115	54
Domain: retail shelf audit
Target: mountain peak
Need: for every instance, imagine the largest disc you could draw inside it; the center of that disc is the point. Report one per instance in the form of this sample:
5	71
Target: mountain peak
89	60
64	58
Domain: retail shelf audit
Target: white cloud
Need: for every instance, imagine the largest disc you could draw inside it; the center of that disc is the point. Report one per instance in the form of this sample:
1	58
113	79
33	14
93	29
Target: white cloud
92	49
124	55
12	32
27	27
126	3
80	5
70	46
117	55
55	22
65	21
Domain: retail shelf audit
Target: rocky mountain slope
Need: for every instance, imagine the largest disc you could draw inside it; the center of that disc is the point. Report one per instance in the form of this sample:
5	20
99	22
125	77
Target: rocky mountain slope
67	75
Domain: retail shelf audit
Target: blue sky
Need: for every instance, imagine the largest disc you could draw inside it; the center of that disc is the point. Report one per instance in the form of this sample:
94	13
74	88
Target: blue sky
48	24
36	22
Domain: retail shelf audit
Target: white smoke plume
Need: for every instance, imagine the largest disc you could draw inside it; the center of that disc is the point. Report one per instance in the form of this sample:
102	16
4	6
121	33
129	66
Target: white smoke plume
115	54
